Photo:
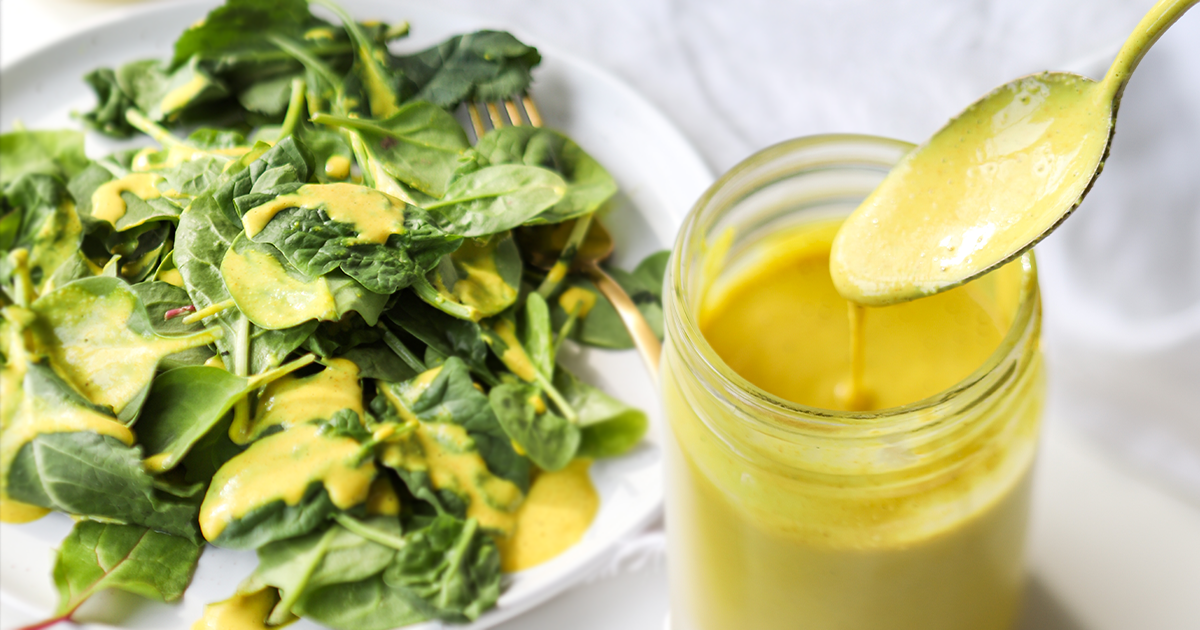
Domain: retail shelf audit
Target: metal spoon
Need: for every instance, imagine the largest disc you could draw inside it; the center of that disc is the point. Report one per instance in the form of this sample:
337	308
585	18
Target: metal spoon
542	245
991	183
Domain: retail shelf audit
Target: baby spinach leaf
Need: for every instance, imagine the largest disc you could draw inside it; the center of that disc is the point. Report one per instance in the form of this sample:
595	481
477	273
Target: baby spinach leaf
56	153
453	397
452	565
448	335
483	66
236	29
210	452
97	334
87	474
192	178
420	145
186	403
98	556
535	334
496	198
608	426
305	231
205	233
46	224
550	440
161	92
108	116
589	185
368	604
309	562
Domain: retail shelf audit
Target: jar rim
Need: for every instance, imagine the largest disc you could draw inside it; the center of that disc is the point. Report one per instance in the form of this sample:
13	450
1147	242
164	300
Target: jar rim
776	412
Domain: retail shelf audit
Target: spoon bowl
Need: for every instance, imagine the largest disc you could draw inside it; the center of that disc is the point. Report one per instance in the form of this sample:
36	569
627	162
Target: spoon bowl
989	185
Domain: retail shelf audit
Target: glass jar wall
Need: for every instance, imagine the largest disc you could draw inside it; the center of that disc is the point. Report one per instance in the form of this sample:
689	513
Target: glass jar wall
786	514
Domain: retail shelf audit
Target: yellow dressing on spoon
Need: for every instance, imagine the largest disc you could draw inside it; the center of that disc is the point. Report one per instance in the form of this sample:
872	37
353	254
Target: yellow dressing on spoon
990	184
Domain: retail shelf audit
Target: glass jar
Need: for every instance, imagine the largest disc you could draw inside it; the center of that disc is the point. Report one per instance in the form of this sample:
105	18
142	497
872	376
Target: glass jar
786	516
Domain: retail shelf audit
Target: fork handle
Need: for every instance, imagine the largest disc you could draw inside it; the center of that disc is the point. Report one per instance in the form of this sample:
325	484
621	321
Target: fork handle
643	336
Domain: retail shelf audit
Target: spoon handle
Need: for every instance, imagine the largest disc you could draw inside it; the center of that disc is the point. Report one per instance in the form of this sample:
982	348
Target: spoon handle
644	338
1160	17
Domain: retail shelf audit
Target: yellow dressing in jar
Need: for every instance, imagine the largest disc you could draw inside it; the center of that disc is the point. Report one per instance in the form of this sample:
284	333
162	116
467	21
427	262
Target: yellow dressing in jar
792	504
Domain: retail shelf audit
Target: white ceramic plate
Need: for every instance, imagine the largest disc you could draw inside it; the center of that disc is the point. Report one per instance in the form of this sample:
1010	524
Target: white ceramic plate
659	173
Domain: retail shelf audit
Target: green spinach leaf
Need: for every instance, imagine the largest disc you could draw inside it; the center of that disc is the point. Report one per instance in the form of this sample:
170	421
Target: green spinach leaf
608	426
589	185
496	198
482	66
452	565
97	334
56	153
87	474
98	556
550	440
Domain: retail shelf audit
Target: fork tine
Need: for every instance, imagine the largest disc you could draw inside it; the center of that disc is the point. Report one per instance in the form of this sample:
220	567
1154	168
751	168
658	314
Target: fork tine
494	114
514	112
476	119
531	110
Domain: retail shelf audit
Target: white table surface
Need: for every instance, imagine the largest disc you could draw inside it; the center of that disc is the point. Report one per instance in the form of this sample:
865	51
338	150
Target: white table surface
1110	549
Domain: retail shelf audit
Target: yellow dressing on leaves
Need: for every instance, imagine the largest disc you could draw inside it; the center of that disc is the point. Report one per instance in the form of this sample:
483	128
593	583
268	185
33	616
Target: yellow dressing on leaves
375	215
578	301
243	611
292	400
179	97
448	454
280	467
269	296
514	356
337	167
107	203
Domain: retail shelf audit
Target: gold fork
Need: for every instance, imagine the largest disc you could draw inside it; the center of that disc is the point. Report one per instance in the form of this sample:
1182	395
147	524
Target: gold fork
599	241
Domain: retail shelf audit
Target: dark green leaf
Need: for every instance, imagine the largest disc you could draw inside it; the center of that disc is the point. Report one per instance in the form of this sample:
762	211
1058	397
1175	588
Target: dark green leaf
497	198
316	244
589	185
98	556
420	145
452	565
186	403
448	335
87	474
365	605
482	66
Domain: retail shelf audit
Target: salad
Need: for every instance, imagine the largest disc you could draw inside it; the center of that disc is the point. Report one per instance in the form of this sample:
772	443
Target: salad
304	323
